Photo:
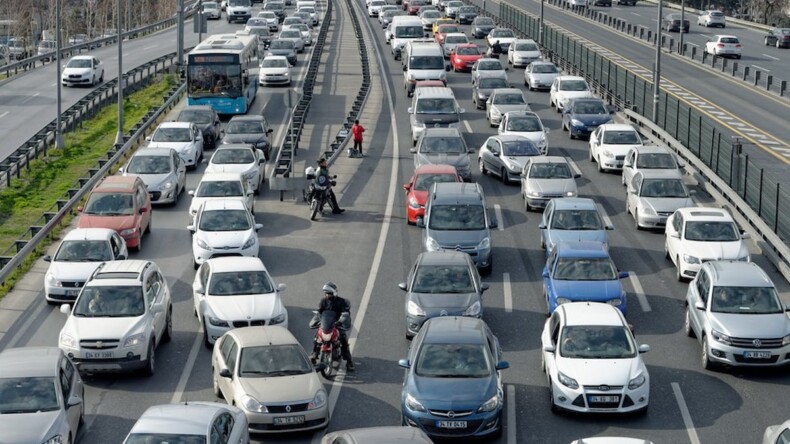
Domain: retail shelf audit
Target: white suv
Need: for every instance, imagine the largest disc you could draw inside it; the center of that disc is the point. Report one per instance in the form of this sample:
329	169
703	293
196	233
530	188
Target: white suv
119	318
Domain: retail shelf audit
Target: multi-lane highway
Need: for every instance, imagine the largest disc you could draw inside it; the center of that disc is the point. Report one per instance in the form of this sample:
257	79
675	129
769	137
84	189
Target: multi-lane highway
368	250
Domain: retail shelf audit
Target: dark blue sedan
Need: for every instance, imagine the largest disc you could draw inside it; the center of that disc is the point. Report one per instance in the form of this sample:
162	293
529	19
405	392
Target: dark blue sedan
453	386
582	271
582	116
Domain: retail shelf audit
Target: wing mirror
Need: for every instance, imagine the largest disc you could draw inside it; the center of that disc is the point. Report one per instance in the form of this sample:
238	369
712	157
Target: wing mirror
407	186
548	348
484	286
258	226
402	286
421	222
623	275
191	193
47	258
542	226
73	401
191	228
545	273
502	365
198	288
281	288
404	363
493	223
644	348
321	366
65	309
699	305
745	235
405	68
225	373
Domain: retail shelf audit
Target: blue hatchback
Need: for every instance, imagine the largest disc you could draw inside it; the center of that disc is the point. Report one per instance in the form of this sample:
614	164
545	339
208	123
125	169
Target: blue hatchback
582	271
583	116
453	386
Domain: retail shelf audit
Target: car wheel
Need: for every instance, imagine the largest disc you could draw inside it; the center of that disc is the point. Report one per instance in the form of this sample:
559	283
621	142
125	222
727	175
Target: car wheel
600	167
206	342
687	324
195	265
666	252
765	40
704	356
486	271
167	335
505	179
552	405
678	273
527	208
482	166
635	212
215	385
148	227
93	81
101	77
150	364
738	56
622	179
139	246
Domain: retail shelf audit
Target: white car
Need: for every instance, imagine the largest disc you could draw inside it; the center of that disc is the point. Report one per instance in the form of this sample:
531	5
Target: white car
504	36
697	235
388	34
577	3
190	421
648	157
428	18
121	315
724	46
503	100
592	361
184	137
223	227
221	186
452	40
566	88
212	10
274	70
232	292
239	158
712	18
82	70
307	35
374	7
77	257
523	52
163	173
654	195
294	35
547	177
271	20
487	67
540	75
610	143
311	10
526	124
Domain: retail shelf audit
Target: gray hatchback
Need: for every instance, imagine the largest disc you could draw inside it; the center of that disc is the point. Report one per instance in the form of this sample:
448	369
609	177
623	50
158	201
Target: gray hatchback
444	146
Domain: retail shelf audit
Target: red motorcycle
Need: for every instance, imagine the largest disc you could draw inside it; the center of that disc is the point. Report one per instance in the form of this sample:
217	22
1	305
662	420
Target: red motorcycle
328	339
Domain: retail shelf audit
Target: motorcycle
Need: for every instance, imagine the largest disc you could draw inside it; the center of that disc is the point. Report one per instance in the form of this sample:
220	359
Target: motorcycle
328	339
317	196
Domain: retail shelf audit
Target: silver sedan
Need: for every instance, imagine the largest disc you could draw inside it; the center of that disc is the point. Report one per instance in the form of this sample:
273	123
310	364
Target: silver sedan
547	177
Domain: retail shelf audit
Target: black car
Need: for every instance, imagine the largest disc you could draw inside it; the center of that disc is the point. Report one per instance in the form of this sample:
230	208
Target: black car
483	87
206	119
466	14
481	26
602	2
278	8
779	37
249	129
671	23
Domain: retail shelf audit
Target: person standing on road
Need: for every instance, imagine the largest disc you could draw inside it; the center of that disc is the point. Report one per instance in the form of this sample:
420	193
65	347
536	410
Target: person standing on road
356	132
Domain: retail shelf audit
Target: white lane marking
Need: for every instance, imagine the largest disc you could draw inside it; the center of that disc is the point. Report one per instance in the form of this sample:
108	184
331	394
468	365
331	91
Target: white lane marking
150	47
761	68
684	412
187	371
574	167
634	13
26	325
3	114
29	98
508	292
511	414
500	222
640	292
467	126
771	57
607	222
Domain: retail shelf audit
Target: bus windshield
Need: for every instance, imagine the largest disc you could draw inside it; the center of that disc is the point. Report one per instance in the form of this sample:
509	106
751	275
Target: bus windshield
214	80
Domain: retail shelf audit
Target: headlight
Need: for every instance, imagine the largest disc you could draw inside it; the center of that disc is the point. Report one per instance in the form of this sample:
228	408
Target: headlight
473	310
615	302
189	149
721	337
567	381
51	280
786	340
217	322
279	319
68	341
413	405
607	153
418	124
647	211
491	404
561	301
167	185
318	401
689	259
570	193
534	194
413	309
484	244
201	243
413	203
57	439
250	242
495	112
251	404
637	382
127	231
134	340
432	245
411	77
576	122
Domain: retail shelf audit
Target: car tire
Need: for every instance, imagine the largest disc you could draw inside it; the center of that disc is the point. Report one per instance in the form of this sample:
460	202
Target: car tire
482	166
635	213
148	227
139	246
505	179
93	81
600	167
687	324
622	179
738	56
167	335
707	364
206	342
101	77
678	274
215	385
765	40
666	252
552	405
195	265
486	271
150	363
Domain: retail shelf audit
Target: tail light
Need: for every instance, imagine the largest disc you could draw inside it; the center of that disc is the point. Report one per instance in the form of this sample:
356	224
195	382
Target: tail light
737	46
720	45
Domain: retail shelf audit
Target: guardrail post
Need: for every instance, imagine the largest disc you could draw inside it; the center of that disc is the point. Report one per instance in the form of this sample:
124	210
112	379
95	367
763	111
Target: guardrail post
723	64
769	80
693	52
782	87
745	72
757	75
734	68
671	44
713	61
649	35
704	56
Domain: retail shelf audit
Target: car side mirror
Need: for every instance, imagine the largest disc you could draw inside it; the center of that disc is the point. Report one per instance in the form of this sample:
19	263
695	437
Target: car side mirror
549	349
692	192
402	286
250	192
65	309
73	401
191	193
746	235
484	286
413	150
470	151
502	365
626	165
461	110
262	160
404	363
420	222
541	226
405	68
281	287
545	273
609	227
495	153
699	305
674	234
427	35
198	288
623	275
225	373
204	161
787	308
493	223
643	348
147	138
191	228
47	258
269	131
407	186
120	170
258	226
120	257
410	110
80	208
321	366
577	175
143	210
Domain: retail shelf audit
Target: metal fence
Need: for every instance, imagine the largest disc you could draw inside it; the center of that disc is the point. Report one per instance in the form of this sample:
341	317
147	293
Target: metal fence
714	145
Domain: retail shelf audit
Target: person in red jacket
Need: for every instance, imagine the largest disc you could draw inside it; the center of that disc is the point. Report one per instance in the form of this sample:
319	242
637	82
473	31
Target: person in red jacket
356	132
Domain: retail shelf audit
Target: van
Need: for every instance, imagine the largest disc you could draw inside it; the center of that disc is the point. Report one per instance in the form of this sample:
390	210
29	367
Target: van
435	107
456	219
423	60
45	47
301	3
405	28
239	10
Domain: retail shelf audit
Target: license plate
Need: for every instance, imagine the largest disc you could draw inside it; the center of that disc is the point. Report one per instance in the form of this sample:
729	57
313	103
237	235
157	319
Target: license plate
288	420
72	293
602	398
451	424
757	355
98	355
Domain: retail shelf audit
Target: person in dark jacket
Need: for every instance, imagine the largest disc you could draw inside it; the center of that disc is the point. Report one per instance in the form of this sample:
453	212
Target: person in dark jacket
333	302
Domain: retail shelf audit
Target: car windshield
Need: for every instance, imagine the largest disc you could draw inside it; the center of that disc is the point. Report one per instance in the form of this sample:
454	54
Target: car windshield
467	9
585	107
784	31
467	50
424	182
405	32
490	65
526	47
456	39
195	116
656	161
225	220
268	15
453	361
573	85
484	21
435	106
274	63
164	438
256	22
621	138
290	34
731	40
143	164
523	124
509	99
745	300
83	251
431	14
544	68
576	220
172	135
584	269
235	283
110	204
442	145
209	5
550	171
426	62
443	279
238	2
219	189
663	188
492	83
79	63
28	395
111	301
502	33
446	29
273	360
520	148
281	44
596	342
457	217
233	156
244	127
704	231
274	6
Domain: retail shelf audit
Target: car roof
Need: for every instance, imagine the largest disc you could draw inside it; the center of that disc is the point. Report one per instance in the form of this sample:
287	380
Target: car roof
513	114
574	203
174	124
660	174
706	214
235	263
590	313
234	146
193	418
737	274
89	234
506	91
617	126
385	435
442	132
509	137
116	183
29	362
263	335
438	168
257	118
457	192
224	204
581	249
645	149
454	330
82	57
154	152
127	266
220	177
443	258
564	78
275	57
435	92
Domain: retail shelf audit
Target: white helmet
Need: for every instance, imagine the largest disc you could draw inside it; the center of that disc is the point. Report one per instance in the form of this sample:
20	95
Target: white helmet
309	171
330	288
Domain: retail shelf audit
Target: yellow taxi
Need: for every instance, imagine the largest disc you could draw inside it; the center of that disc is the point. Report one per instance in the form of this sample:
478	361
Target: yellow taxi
441	21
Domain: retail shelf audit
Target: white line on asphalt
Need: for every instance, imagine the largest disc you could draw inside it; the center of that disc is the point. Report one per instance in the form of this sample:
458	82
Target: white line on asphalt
684	412
187	371
771	57
26	325
511	414
574	167
607	222
29	98
640	292
634	13
150	47
500	223
3	114
467	126
508	293
761	68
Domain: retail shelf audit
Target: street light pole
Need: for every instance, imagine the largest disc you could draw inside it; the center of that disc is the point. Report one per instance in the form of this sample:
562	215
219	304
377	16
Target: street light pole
657	67
199	18
682	21
59	143
119	135
180	39
540	30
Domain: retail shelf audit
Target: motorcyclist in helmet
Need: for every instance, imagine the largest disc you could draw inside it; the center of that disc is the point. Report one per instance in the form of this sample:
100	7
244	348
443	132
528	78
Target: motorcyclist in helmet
332	301
323	180
496	49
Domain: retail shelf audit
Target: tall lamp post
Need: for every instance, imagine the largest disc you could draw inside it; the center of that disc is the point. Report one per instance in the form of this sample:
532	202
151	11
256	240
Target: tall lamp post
119	135
540	30
657	67
59	143
682	21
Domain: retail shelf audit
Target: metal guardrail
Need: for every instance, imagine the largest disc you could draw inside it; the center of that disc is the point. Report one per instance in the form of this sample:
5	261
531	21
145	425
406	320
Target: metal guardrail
38	232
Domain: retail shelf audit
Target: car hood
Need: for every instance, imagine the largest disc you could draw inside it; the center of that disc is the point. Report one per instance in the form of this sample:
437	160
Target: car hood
541	77
444	300
468	58
420	196
515	163
439	159
556	236
597	372
738	325
425	74
154	180
282	389
456	394
76	71
592	119
666	204
221	239
248	306
568	95
178	146
244	138
451	239
436	119
527	54
537	137
281	52
597	291
264	71
26	428
72	271
116	223
229	167
106	328
551	186
507	108
716	250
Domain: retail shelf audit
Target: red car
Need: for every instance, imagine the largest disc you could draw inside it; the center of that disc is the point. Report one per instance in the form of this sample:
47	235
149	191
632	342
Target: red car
120	203
443	30
419	185
414	6
464	56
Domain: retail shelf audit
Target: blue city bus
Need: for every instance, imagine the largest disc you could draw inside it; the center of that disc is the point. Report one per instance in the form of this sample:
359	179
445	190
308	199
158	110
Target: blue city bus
218	72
